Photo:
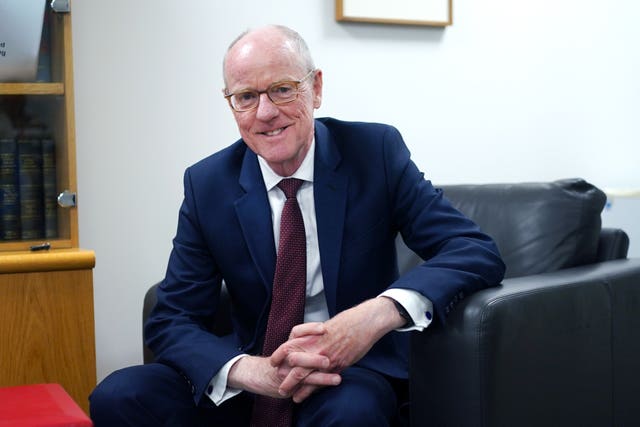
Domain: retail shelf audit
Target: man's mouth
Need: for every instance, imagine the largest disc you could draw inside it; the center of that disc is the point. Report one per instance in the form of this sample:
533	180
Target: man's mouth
274	132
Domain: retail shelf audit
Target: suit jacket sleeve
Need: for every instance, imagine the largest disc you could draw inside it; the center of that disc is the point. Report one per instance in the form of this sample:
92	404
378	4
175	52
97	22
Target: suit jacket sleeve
187	299
460	259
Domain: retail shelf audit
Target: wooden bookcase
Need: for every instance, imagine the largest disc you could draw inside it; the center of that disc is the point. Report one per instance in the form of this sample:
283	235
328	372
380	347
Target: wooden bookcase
46	297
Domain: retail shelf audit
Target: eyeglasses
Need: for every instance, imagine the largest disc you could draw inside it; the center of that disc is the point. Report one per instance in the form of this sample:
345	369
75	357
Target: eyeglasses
279	93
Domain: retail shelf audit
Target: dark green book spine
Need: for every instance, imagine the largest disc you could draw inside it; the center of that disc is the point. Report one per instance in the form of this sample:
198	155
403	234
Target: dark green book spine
30	186
9	201
49	188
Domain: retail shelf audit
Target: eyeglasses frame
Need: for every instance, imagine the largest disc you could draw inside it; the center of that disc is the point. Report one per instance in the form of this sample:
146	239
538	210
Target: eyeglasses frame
260	92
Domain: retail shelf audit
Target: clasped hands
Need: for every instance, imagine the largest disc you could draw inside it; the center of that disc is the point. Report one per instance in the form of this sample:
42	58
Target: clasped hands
316	353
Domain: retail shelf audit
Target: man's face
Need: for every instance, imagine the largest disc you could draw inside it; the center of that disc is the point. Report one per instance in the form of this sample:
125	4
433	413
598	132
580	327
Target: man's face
281	134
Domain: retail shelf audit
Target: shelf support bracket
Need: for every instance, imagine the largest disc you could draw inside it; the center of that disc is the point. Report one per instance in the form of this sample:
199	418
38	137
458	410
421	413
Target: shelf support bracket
61	6
67	199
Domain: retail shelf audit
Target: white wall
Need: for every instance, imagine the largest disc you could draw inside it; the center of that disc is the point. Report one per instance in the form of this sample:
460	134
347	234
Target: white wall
513	91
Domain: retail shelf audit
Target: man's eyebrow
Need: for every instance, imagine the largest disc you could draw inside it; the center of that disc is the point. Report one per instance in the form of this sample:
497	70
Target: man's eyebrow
251	89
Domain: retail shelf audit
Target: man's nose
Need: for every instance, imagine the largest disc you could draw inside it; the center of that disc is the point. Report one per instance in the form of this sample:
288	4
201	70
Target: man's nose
266	108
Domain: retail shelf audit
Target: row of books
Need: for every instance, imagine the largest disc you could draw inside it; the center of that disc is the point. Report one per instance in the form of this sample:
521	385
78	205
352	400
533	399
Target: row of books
28	196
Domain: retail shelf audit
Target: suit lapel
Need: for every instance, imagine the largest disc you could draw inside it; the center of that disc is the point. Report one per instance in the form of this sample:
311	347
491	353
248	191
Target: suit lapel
254	215
330	194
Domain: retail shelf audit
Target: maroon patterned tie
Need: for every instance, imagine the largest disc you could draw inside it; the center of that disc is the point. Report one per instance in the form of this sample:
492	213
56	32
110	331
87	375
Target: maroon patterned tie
287	300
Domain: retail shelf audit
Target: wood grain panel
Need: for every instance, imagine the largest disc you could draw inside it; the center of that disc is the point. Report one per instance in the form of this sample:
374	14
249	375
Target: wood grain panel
47	331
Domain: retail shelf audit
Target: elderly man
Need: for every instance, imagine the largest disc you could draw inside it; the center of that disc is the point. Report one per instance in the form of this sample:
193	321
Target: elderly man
299	219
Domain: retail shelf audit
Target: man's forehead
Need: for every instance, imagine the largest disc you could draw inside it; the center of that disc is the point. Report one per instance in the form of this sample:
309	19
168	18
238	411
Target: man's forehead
251	60
270	43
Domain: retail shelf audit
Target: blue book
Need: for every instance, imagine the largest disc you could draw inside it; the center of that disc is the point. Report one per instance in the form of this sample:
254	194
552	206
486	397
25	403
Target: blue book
9	200
30	183
49	188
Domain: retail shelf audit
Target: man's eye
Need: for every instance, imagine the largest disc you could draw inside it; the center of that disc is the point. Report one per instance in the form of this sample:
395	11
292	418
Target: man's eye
282	90
245	97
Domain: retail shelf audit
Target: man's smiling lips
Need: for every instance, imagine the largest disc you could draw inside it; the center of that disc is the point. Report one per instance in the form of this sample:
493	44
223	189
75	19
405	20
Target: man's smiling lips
274	132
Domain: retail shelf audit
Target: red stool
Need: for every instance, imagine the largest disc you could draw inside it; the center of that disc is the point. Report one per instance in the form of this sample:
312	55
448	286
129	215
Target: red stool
40	405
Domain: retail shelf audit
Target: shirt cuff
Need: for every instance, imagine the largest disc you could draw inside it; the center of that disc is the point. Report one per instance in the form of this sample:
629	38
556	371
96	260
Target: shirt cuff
217	390
417	305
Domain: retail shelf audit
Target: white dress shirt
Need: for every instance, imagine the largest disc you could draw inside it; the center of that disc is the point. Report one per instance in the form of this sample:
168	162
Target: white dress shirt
419	308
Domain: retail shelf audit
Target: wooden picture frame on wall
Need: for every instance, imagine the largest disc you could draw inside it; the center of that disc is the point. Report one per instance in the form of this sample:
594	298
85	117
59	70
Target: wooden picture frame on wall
436	13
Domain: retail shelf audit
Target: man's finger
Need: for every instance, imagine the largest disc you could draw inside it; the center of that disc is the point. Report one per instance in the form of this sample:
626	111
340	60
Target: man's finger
294	378
308	360
289	347
322	379
313	382
303	392
278	356
310	328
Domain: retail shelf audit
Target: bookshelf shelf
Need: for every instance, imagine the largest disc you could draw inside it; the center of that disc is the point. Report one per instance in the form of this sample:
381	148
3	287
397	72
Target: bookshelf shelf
31	88
25	245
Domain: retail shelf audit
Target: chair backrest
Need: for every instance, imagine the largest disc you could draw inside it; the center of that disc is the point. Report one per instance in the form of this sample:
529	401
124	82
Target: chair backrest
538	227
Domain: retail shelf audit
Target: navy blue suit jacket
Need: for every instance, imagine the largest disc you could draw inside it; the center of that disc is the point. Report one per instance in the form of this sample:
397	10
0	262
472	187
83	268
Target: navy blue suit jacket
366	190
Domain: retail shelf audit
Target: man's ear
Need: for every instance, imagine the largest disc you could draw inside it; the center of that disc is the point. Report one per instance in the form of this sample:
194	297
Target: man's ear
317	89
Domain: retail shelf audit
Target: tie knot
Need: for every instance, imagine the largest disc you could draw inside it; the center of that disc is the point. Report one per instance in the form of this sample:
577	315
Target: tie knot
290	186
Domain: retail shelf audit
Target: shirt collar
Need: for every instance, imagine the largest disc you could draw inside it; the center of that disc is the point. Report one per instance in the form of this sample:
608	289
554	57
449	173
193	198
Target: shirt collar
304	172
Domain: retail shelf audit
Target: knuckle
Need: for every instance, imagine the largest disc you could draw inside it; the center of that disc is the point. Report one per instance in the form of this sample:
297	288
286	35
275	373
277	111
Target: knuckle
291	359
299	374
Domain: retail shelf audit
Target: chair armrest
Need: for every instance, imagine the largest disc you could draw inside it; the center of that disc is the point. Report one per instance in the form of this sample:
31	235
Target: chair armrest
537	350
149	302
624	288
612	244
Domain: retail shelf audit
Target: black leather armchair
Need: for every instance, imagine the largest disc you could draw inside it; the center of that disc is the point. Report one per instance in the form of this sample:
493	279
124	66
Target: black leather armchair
557	344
